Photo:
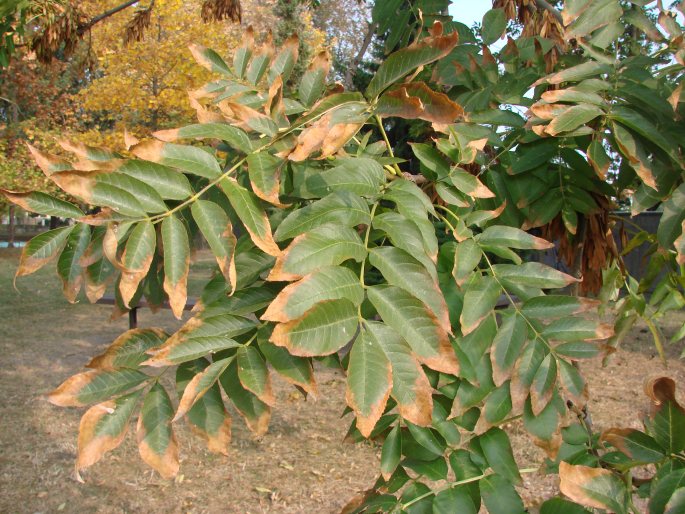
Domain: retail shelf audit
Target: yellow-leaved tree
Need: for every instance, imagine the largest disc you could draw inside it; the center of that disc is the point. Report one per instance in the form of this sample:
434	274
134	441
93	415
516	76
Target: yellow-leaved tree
144	82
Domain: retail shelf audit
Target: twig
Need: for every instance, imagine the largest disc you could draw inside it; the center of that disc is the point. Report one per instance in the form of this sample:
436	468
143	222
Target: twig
97	19
354	65
543	4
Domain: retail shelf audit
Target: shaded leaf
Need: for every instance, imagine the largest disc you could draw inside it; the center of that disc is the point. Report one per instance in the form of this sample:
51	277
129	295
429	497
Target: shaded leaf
217	230
296	370
176	263
156	440
255	412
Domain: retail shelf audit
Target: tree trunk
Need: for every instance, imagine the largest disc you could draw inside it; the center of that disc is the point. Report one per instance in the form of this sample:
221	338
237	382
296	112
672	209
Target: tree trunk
10	235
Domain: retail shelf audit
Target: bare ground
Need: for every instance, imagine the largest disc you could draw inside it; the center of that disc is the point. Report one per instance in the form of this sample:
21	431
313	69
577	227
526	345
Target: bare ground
301	466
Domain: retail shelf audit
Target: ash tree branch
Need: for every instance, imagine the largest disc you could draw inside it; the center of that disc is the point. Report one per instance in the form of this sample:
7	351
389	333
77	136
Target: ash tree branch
97	19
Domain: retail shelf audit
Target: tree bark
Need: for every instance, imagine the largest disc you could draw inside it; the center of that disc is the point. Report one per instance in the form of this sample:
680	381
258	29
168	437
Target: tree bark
354	65
10	235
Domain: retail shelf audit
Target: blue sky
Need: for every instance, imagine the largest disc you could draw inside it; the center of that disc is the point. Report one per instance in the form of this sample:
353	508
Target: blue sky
468	11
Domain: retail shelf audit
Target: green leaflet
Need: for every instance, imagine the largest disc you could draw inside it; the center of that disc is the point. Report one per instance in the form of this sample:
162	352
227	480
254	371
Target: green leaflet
235	137
168	182
533	274
497	406
493	26
241	303
435	165
635	444
410	387
199	385
526	367
405	234
480	298
327	283
136	260
217	230
209	59
114	189
313	80
103	428
156	440
361	176
497	449
556	306
208	416
323	246
576	329
323	330
264	170
199	337
191	159
247	207
409	198
369	381
576	73
402	270
499	496
391	452
467	255
511	237
42	203
129	349
95	386
542	388
253	374
68	264
571	119
412	318
296	370
255	412
285	60
404	61
342	208
176	262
